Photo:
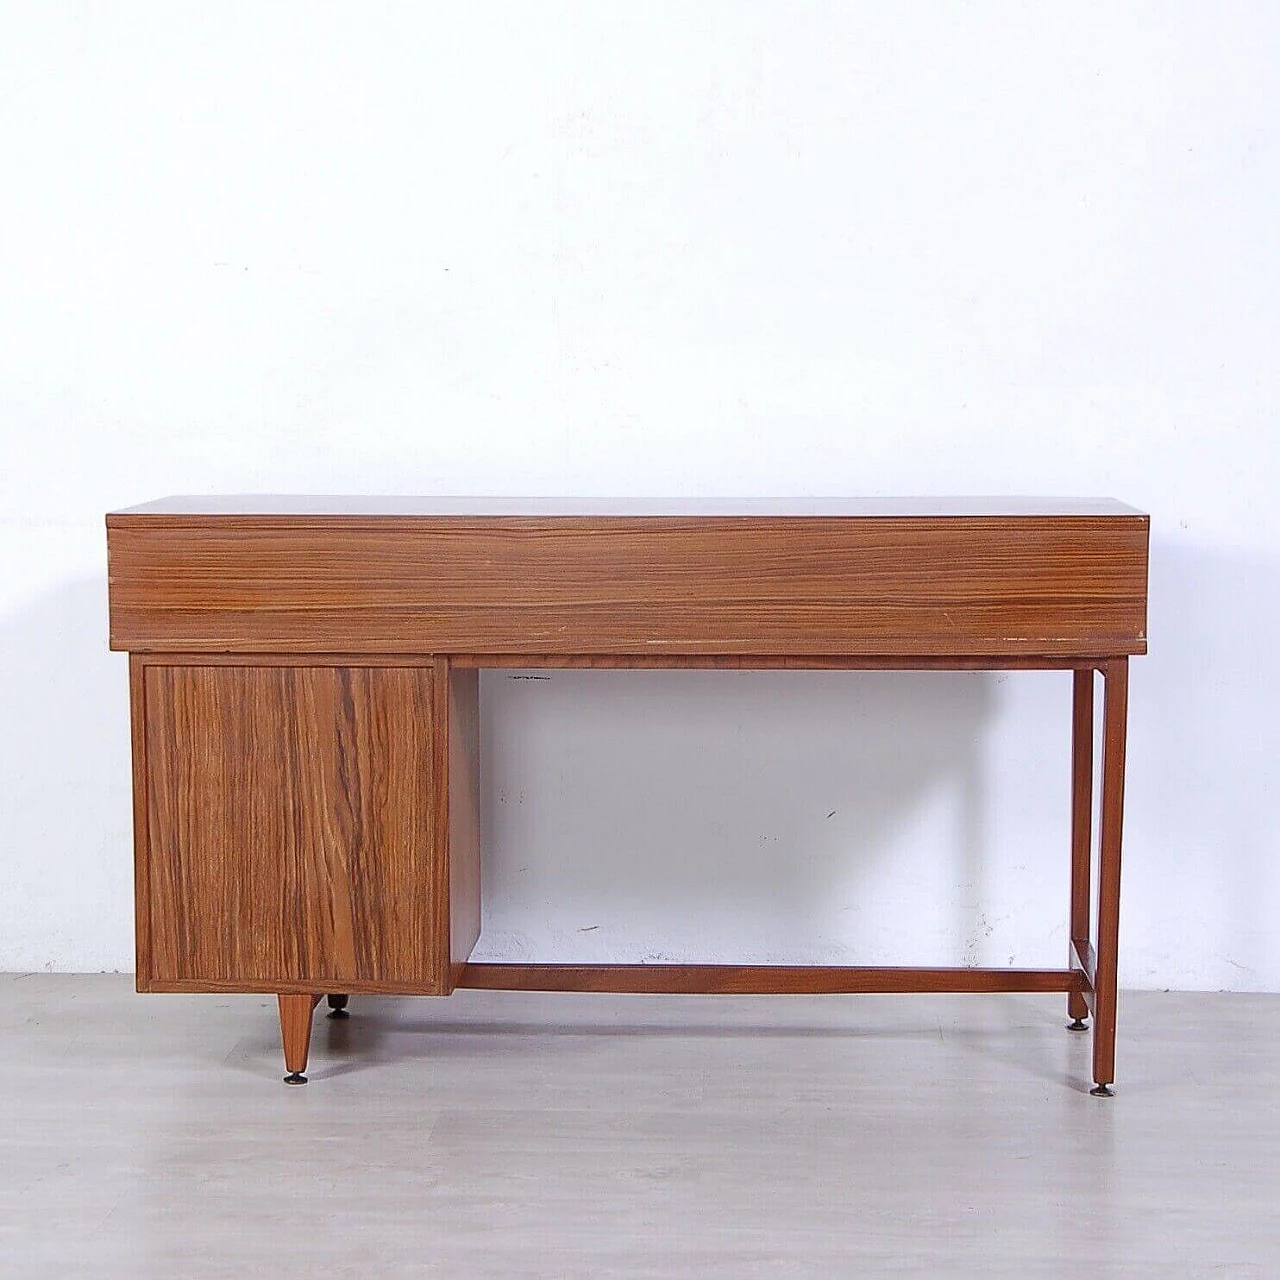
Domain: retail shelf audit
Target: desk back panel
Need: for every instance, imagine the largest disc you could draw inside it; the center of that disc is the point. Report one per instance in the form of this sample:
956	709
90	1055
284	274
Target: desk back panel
1021	585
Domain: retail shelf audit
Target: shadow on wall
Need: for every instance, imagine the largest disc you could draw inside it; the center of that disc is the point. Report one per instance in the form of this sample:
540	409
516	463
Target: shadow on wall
66	854
715	807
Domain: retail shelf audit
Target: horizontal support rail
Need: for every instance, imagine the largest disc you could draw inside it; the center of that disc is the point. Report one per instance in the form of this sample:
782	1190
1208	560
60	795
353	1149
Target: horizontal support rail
750	980
753	662
616	662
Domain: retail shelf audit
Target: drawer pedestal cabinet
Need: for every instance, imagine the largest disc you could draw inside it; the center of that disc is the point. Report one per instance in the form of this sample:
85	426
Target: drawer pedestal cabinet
305	681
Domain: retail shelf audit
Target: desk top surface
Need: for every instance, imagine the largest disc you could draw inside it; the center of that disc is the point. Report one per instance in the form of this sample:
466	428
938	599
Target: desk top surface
390	506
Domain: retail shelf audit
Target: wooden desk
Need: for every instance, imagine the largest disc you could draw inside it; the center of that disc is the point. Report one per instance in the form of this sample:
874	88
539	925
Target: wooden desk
305	705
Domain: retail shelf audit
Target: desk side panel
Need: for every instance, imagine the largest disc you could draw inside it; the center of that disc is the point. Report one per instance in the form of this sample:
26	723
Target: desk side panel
290	829
1006	586
460	735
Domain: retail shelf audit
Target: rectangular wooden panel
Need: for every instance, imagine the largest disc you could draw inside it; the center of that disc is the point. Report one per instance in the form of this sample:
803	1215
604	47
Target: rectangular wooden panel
290	829
1001	585
756	980
141	873
461	735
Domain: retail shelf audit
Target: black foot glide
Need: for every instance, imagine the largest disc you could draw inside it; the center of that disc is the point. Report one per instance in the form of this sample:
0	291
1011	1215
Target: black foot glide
295	1077
338	1007
1078	1025
1101	1091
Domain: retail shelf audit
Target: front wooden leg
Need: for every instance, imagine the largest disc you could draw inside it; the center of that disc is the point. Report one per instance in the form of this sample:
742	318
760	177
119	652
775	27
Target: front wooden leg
1081	830
1115	712
295	1031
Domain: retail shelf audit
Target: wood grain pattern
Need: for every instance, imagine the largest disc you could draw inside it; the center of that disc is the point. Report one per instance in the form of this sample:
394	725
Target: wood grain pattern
307	790
753	662
752	980
141	859
1115	719
462	734
633	661
289	828
287	986
1081	819
296	1016
1016	585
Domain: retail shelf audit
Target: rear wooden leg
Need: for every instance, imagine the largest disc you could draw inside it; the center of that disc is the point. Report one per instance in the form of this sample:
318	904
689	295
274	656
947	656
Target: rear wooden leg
1115	715
338	1007
1081	830
295	1031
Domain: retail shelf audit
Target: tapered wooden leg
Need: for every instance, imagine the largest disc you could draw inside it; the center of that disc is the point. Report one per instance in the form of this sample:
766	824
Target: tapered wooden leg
1081	828
1114	721
295	1031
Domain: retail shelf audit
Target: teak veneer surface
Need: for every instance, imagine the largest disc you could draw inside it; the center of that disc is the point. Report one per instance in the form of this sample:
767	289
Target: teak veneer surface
752	980
305	702
289	817
459	700
1067	579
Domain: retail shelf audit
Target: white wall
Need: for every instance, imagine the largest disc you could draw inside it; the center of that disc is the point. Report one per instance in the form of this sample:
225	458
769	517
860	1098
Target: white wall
647	249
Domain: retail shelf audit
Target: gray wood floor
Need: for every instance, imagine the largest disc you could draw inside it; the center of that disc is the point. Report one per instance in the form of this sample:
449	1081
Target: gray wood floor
514	1135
